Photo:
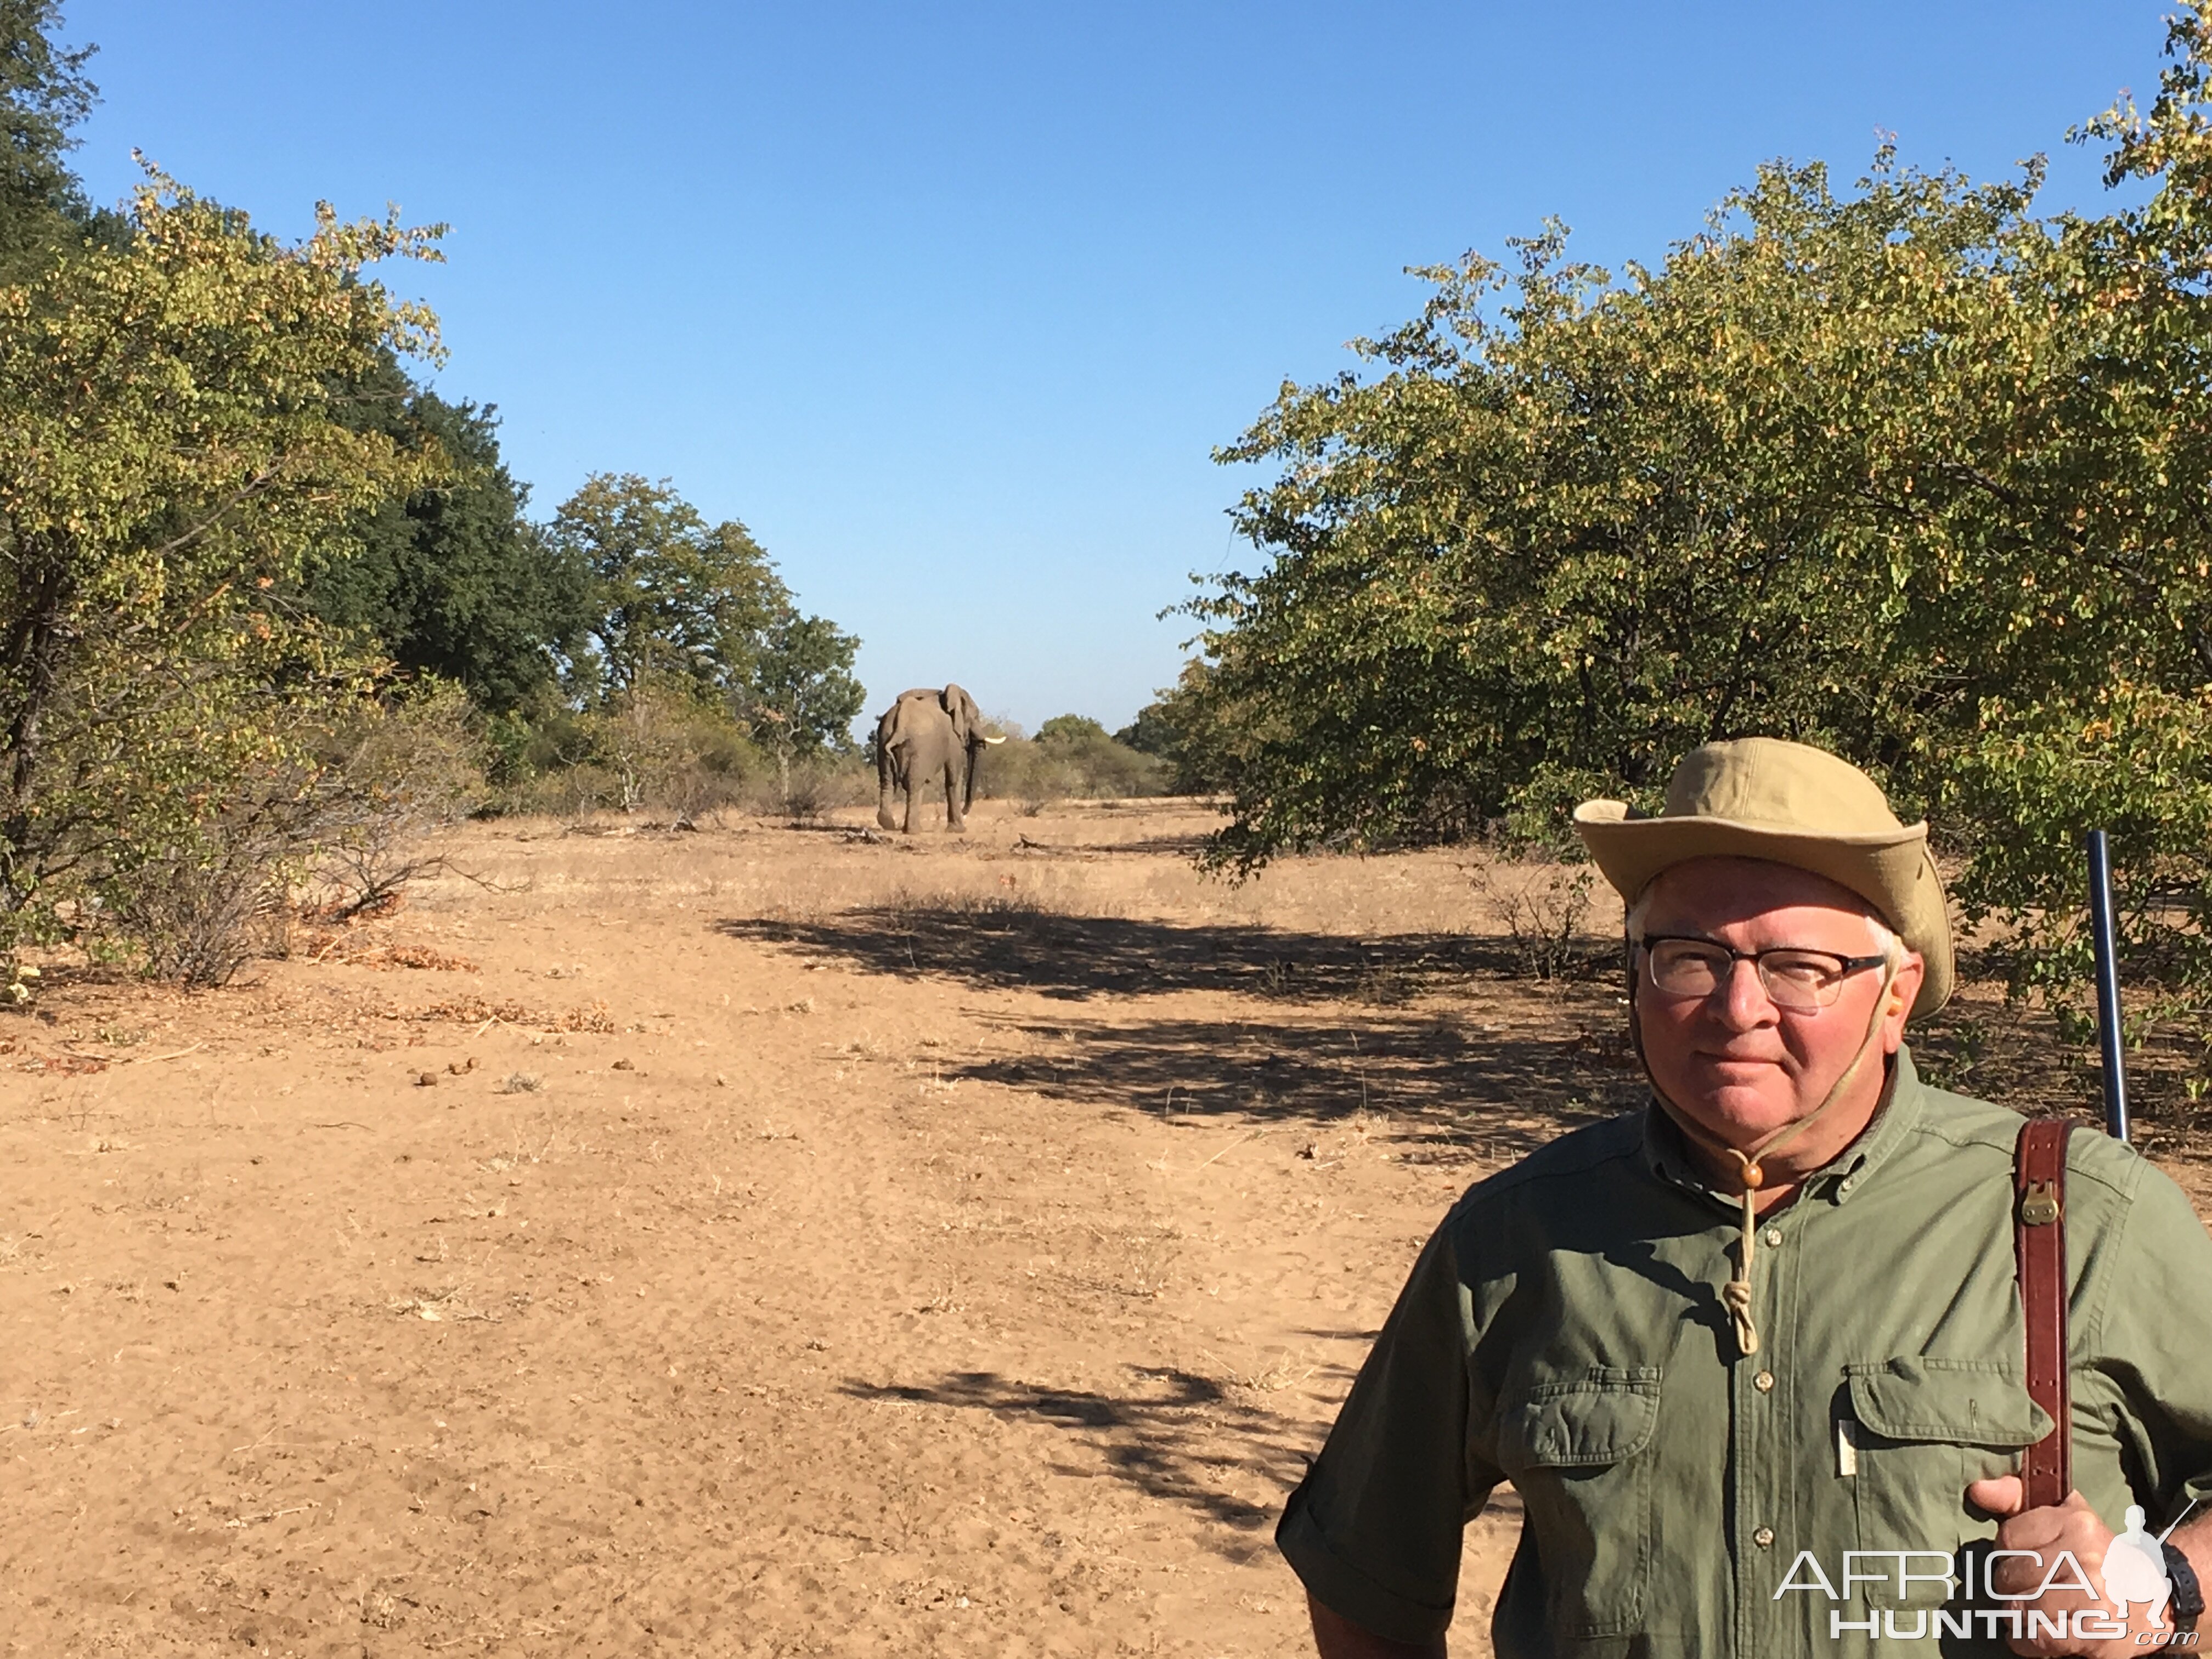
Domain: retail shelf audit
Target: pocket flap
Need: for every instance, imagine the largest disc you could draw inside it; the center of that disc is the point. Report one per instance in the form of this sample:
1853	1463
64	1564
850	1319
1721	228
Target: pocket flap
1584	1424
1965	1401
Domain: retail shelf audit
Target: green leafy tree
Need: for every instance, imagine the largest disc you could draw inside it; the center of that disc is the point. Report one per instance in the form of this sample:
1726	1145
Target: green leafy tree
673	596
802	684
686	610
802	698
1575	528
1069	729
170	453
1153	732
454	580
1193	729
1908	470
2104	719
44	94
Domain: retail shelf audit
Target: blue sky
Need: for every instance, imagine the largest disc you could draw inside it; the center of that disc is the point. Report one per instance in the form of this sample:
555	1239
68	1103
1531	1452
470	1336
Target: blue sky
950	303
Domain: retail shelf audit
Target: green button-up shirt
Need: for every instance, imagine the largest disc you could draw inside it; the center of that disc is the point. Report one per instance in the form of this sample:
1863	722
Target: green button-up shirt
1564	1331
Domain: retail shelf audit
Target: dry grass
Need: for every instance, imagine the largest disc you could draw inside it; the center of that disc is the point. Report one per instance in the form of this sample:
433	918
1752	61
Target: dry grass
545	1137
1084	859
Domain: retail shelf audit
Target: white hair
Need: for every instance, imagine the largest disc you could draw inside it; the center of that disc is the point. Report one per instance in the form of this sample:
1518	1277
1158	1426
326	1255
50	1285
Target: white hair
1886	944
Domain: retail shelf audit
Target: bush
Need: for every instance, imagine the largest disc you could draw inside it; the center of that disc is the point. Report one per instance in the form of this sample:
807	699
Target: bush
813	786
1070	755
191	910
342	821
393	773
1543	905
658	747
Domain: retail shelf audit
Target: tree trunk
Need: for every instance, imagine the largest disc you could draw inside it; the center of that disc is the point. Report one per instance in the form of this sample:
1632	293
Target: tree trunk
31	663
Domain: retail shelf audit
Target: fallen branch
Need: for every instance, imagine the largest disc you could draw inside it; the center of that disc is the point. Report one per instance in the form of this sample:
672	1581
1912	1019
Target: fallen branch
1232	1147
148	1059
270	1515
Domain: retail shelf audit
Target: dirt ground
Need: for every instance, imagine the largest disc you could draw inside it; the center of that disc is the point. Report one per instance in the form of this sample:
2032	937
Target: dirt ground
758	1240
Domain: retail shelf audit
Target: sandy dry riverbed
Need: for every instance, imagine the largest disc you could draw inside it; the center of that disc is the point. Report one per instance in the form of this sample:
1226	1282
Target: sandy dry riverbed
758	1241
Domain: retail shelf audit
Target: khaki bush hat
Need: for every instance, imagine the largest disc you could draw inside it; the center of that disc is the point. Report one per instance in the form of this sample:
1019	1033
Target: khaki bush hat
1761	798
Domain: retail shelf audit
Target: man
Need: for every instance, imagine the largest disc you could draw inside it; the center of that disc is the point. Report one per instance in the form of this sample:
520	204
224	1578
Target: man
1753	1356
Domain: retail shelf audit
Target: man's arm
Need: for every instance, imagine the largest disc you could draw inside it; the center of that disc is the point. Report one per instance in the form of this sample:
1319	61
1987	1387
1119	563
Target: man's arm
2146	1281
1374	1529
2072	1525
1336	1636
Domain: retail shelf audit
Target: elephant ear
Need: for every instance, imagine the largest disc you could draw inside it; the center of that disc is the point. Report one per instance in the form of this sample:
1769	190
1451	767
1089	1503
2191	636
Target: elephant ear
967	718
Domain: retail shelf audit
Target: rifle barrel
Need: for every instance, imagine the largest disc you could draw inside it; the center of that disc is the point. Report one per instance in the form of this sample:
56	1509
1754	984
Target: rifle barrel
2109	1033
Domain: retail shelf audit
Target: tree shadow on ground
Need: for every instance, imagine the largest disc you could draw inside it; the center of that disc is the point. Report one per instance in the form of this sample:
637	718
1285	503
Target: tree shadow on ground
1508	1066
1007	944
1437	1081
1274	1059
1172	1434
1168	846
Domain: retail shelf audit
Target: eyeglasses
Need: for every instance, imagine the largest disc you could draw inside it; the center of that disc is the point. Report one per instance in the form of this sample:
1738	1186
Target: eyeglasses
1800	980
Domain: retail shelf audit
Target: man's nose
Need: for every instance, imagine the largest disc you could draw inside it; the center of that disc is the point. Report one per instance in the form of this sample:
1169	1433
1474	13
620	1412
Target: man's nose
1742	996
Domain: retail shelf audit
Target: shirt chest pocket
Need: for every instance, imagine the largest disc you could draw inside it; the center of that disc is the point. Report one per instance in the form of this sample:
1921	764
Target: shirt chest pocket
1911	1432
1578	1453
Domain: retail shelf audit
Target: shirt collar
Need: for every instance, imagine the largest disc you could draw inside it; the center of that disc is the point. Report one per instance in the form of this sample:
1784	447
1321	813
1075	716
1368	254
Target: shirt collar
1667	1155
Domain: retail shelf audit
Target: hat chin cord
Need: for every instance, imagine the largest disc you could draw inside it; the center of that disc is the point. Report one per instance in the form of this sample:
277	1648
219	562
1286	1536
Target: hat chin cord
1735	1295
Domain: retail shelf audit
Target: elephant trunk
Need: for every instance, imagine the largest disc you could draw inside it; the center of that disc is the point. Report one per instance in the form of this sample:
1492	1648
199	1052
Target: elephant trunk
974	754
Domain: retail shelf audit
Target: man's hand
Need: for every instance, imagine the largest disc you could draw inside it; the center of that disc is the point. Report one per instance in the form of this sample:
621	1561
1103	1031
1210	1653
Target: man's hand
1336	1636
2072	1525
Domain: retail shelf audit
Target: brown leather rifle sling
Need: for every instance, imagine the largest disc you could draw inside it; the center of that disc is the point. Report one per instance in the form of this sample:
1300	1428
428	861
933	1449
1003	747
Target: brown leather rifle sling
2038	1175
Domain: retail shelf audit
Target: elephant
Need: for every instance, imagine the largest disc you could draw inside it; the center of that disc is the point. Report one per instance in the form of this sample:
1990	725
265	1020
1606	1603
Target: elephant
923	735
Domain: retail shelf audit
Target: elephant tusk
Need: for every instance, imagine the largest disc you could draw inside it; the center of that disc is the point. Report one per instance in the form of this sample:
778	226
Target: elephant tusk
994	739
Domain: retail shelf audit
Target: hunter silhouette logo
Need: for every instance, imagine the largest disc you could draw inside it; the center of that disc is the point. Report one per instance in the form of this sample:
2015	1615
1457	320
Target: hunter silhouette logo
2135	1571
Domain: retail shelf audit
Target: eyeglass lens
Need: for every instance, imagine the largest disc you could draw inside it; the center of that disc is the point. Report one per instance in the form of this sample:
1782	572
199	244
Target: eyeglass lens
1792	979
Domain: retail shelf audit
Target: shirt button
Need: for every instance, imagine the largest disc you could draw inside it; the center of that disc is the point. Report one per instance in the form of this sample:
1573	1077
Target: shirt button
1764	1538
1773	1237
1764	1382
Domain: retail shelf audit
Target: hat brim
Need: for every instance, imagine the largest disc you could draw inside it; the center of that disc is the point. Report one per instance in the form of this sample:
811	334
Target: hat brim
1891	870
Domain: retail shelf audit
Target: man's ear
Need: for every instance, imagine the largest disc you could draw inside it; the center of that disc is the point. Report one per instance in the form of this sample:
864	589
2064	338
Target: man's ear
1904	992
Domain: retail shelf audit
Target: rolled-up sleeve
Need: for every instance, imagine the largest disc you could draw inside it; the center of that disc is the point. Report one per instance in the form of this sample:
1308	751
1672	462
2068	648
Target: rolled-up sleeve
1374	1530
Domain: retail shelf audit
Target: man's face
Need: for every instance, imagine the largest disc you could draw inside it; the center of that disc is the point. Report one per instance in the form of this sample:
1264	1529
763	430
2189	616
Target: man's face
1738	1065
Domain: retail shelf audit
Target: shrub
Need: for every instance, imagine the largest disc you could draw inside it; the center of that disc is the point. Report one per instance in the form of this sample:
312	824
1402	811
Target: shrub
659	746
1070	755
1543	905
813	787
395	771
342	820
